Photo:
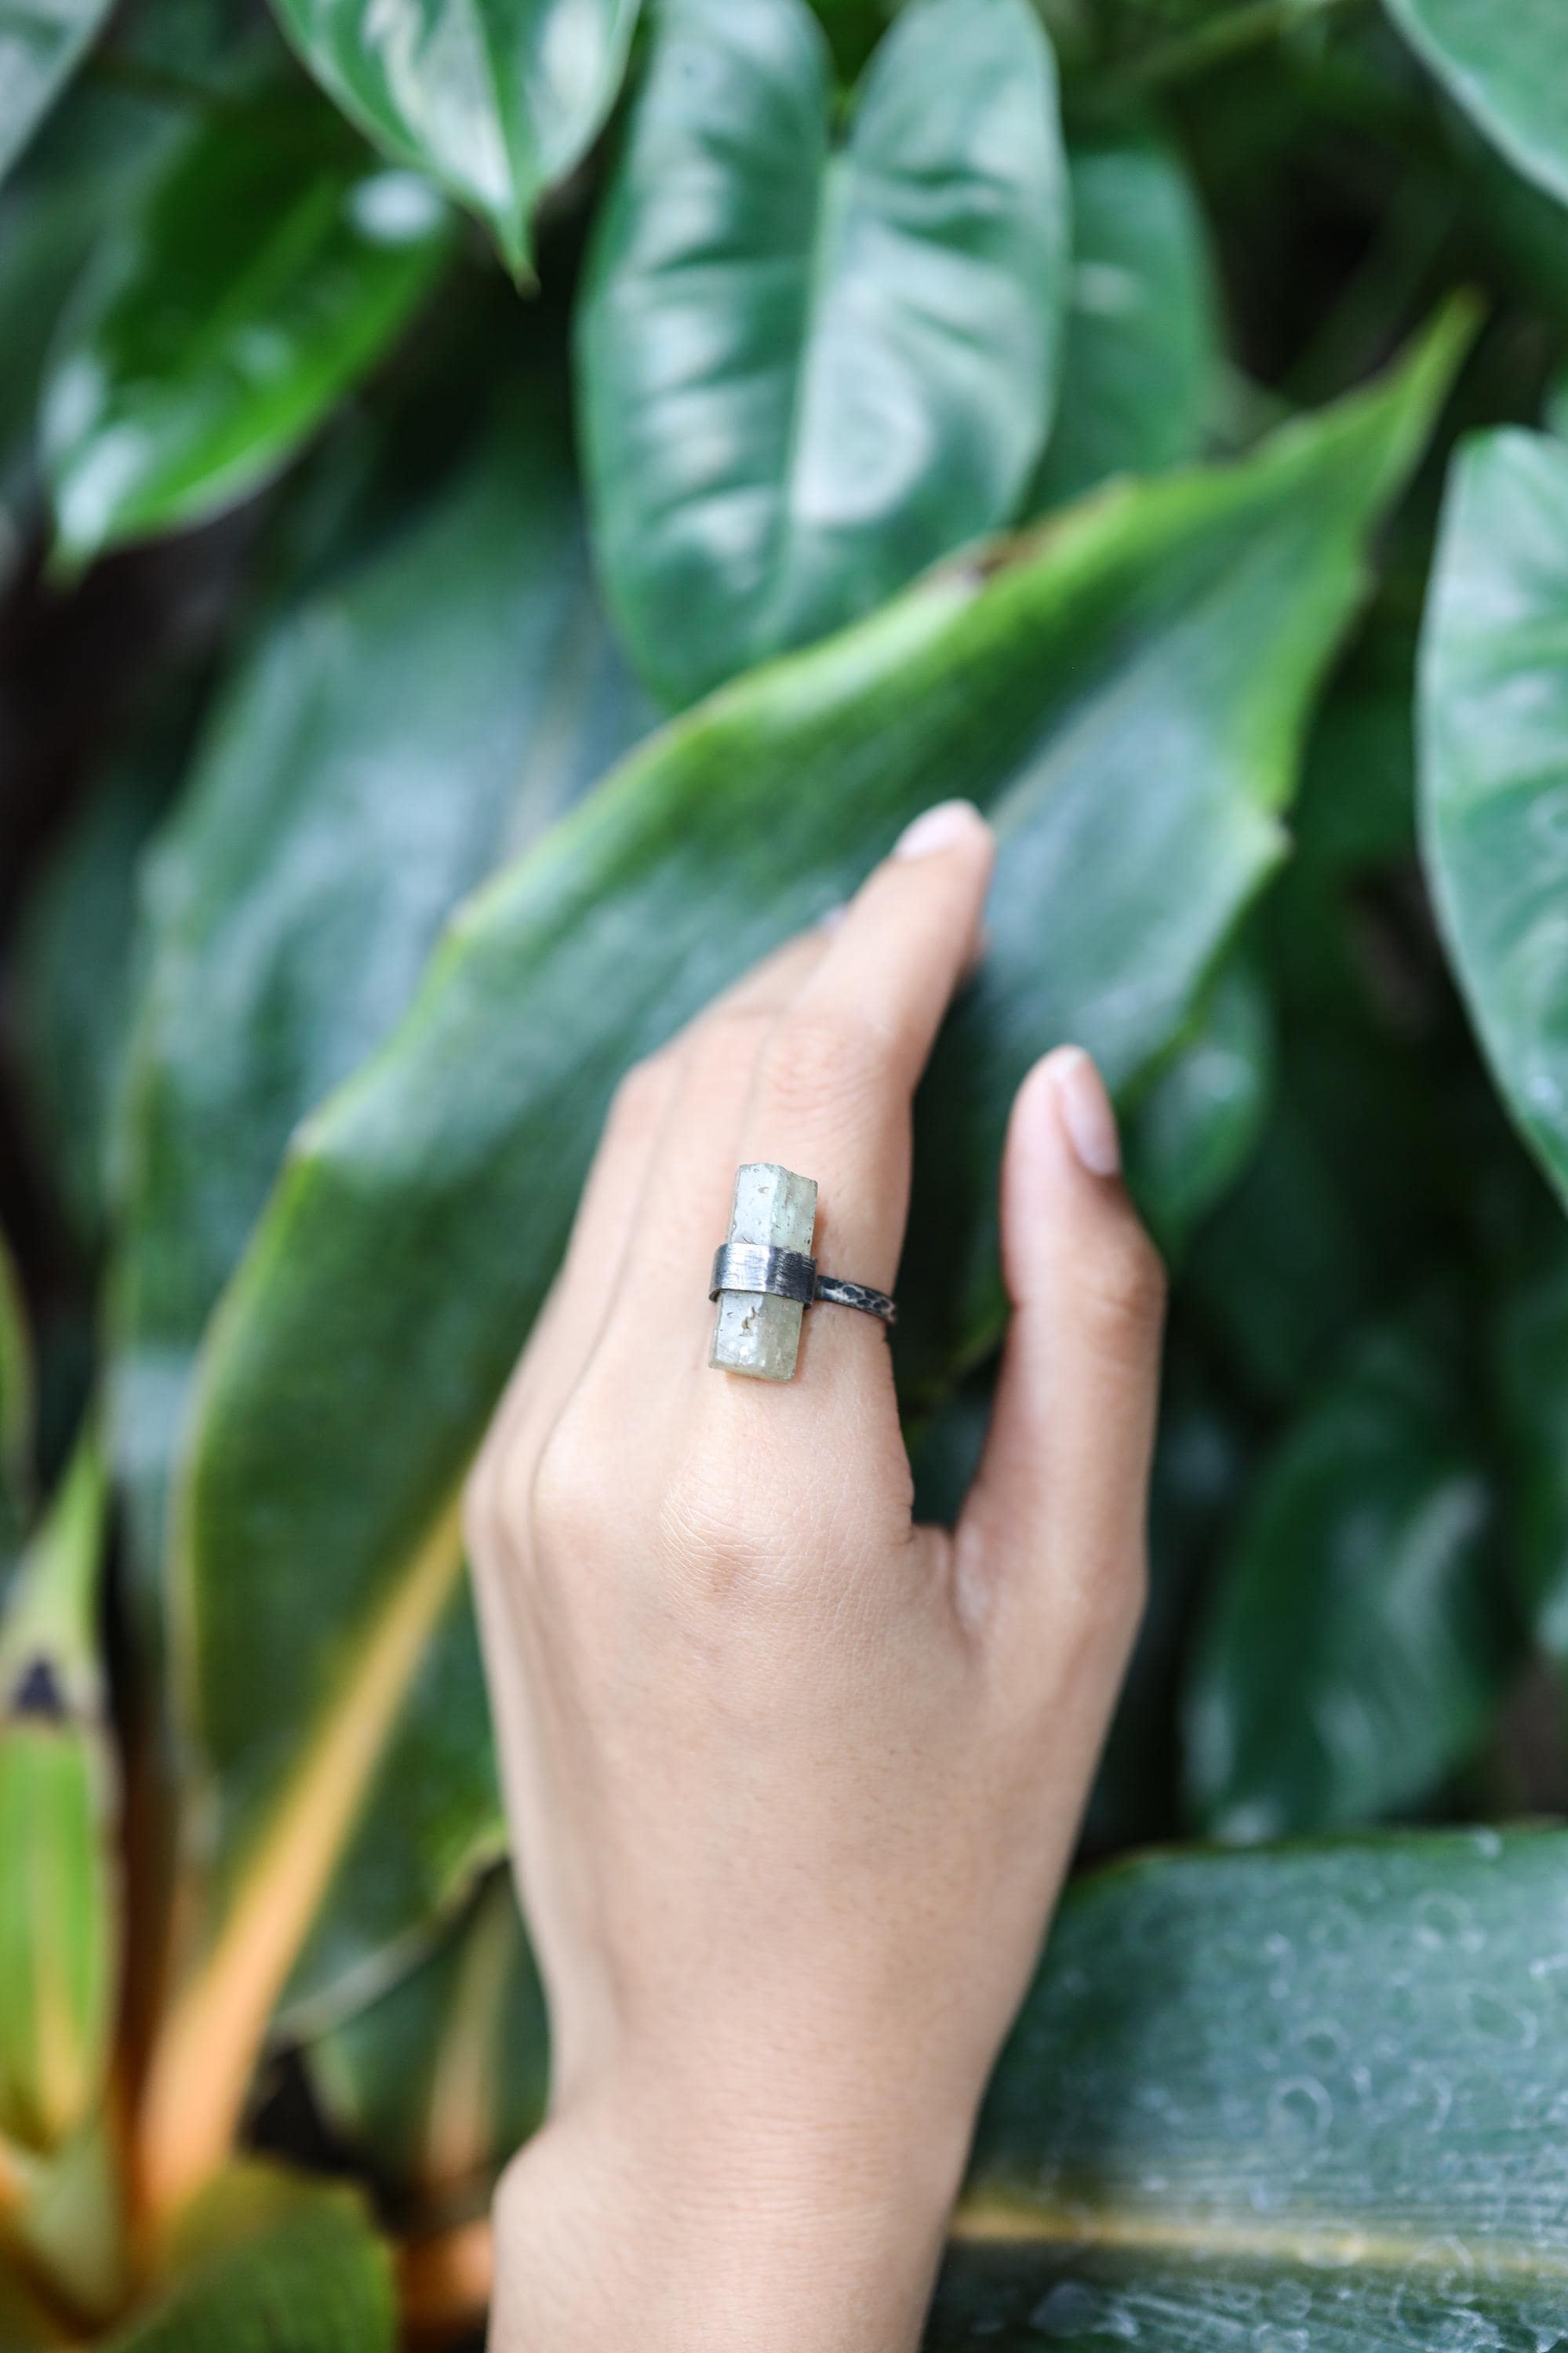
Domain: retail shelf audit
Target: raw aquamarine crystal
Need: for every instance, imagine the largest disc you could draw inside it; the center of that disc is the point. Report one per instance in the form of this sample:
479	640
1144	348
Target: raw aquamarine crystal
754	1332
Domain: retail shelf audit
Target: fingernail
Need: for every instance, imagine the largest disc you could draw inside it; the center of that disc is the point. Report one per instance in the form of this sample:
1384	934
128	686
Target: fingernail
937	829
1086	1113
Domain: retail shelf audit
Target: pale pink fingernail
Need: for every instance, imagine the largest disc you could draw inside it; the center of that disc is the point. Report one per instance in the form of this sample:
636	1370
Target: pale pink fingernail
937	829
1086	1113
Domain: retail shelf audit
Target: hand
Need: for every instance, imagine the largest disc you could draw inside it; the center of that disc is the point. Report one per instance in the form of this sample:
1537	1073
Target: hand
792	1781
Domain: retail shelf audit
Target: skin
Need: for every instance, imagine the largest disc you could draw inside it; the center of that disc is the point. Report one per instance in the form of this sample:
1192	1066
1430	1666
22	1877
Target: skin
793	1780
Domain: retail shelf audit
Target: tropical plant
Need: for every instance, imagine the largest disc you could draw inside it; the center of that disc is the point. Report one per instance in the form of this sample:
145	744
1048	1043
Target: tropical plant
504	512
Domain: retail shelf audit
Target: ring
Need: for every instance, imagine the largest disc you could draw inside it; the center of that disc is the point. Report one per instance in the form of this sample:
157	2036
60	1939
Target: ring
764	1278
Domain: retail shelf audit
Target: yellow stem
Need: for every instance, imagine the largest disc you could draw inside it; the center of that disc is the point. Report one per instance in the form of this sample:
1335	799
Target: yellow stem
203	2059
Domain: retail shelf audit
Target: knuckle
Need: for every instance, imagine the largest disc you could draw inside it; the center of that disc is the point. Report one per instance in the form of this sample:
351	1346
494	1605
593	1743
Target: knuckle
562	1495
819	1060
1124	1284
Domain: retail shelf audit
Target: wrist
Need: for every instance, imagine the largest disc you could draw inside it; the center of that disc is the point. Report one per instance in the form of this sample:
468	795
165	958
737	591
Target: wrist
683	2224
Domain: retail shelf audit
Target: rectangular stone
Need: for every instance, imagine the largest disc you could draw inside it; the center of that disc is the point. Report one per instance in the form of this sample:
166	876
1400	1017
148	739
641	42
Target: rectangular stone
754	1332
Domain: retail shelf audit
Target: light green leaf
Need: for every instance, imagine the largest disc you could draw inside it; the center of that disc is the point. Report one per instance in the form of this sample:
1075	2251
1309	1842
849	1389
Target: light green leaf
274	2262
1356	1648
497	99
270	264
1194	614
1283	2101
1189	1137
443	2078
1494	767
416	718
60	1929
1142	343
806	370
40	42
1506	61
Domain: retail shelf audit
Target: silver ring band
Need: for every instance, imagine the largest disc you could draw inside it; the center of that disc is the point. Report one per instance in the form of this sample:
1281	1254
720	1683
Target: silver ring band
791	1275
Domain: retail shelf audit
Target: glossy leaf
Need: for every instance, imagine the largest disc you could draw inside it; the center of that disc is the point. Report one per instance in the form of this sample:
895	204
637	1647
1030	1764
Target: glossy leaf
416	717
442	2079
1141	330
1282	2101
40	44
806	370
1194	615
1494	767
271	2260
497	99
270	264
1507	67
1357	1646
1190	1136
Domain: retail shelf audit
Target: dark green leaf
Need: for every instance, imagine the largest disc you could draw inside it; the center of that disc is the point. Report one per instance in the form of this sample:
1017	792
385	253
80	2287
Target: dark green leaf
1190	1136
1494	767
807	371
40	42
1142	347
269	265
16	1410
497	99
1529	1342
267	2262
437	2083
1194	615
411	721
1506	61
1356	1648
1306	2102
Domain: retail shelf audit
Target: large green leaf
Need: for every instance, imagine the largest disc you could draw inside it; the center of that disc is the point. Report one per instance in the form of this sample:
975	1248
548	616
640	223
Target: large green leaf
1190	1136
416	718
40	42
1356	1648
438	2082
1494	767
1506	61
497	99
270	2261
1125	694
268	265
807	369
1530	1368
1300	2102
1142	348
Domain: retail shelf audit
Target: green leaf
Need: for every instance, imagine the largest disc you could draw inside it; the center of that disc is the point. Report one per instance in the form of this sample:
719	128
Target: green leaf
808	369
1530	1368
16	1411
1356	1650
40	42
1494	767
274	2262
1507	67
1142	344
423	1209
270	263
437	2083
1188	1139
59	1827
1284	2101
416	717
497	99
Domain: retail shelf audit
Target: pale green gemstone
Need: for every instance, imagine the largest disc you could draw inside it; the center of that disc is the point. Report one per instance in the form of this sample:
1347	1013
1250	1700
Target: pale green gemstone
754	1332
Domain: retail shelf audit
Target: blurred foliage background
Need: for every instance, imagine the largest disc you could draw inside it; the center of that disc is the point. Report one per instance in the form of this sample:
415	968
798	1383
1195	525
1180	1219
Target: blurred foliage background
506	509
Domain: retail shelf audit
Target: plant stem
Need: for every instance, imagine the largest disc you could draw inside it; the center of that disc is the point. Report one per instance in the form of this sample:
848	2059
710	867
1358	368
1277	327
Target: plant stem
1224	36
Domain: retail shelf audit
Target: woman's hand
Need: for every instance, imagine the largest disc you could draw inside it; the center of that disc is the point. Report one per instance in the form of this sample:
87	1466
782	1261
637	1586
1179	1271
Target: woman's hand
792	1780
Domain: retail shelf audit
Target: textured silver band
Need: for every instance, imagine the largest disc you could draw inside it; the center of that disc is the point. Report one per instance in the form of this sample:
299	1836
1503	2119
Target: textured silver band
791	1275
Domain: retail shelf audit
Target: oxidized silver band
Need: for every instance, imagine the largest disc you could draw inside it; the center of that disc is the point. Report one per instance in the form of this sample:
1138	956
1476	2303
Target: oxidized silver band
791	1275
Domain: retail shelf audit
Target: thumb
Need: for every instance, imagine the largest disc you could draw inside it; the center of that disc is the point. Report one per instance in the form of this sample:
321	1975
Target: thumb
1053	1533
